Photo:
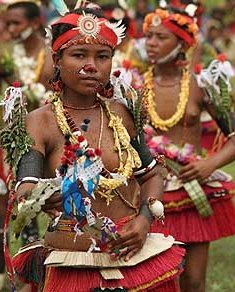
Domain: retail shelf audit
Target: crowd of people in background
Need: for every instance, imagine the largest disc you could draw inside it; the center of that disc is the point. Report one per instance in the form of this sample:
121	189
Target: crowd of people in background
25	56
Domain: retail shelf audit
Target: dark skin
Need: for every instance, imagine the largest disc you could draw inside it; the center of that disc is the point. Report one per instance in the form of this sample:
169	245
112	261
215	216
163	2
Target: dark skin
50	141
160	42
17	22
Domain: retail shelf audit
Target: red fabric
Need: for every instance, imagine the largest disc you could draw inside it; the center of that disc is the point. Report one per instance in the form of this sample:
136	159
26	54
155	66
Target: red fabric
209	130
181	194
2	173
180	32
186	225
105	32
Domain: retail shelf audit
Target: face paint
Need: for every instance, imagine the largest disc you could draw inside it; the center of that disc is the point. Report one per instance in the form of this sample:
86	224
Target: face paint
25	34
171	56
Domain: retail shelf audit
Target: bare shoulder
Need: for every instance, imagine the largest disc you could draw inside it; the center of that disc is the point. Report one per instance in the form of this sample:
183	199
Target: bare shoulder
122	111
195	91
40	122
42	114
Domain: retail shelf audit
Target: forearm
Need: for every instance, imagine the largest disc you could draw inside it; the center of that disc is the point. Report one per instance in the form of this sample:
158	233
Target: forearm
225	155
152	185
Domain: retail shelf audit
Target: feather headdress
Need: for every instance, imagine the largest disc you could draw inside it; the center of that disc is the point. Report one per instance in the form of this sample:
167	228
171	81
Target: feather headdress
87	28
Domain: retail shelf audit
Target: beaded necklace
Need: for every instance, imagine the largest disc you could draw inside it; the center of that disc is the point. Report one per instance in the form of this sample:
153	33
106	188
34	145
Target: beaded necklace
155	119
107	185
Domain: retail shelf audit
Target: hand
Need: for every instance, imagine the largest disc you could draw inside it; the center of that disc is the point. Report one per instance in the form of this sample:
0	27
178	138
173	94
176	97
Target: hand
53	205
199	170
131	239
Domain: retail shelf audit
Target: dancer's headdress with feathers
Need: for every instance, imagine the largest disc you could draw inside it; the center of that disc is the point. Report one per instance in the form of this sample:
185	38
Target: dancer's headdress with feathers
87	27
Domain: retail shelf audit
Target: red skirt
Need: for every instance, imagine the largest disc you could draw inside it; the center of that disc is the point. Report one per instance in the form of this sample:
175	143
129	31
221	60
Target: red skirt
184	223
159	272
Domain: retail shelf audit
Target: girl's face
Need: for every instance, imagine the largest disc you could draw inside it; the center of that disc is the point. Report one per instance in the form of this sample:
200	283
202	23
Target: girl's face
17	23
73	59
160	42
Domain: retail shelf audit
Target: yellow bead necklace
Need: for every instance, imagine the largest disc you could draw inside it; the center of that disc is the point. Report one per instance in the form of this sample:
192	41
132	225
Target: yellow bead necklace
155	119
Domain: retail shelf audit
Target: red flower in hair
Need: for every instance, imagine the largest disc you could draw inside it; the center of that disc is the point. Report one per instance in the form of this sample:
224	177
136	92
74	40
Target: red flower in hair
221	57
16	84
198	69
126	64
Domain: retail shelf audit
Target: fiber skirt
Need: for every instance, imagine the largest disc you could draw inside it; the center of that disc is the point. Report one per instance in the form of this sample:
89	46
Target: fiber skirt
155	274
184	222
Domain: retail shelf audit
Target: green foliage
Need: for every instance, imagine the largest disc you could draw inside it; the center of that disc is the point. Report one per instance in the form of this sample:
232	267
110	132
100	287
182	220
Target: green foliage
14	138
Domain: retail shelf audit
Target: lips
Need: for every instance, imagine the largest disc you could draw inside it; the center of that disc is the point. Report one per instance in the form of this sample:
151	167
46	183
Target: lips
89	78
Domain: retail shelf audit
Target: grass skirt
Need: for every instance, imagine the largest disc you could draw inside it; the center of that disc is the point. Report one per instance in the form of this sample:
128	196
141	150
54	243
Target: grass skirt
159	273
184	223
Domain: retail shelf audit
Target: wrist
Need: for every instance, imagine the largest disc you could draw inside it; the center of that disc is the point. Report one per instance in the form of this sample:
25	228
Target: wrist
146	213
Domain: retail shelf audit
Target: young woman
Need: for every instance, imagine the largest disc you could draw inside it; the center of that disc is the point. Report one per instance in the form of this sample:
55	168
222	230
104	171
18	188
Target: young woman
196	214
95	196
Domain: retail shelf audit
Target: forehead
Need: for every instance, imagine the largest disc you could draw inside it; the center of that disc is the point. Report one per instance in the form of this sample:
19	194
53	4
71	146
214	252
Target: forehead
90	48
16	14
160	29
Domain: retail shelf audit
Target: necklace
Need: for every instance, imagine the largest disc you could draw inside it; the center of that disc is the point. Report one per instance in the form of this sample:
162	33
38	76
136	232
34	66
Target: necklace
155	119
29	68
166	85
74	128
106	185
96	104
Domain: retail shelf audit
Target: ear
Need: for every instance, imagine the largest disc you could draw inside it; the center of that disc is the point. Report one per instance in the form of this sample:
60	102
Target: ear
184	45
36	23
55	59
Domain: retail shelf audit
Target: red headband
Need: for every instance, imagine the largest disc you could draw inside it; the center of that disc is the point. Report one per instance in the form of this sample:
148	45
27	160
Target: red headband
181	25
180	32
89	28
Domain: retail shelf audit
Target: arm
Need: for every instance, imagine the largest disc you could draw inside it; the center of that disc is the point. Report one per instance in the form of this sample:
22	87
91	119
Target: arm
227	153
150	178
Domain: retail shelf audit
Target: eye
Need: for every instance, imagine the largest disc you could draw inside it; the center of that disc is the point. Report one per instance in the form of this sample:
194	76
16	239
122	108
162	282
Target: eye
78	55
162	37
104	57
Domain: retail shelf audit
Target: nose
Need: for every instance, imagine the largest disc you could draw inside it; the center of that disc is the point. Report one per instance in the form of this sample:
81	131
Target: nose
90	68
11	28
152	41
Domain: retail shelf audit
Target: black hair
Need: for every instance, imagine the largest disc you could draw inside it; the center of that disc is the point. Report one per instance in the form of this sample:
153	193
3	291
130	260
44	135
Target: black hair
31	10
110	7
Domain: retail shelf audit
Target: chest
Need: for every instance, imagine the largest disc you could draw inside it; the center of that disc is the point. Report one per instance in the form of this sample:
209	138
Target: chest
169	100
98	135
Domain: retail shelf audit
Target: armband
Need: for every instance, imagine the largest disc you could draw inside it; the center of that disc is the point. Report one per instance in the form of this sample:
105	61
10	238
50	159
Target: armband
31	165
27	179
148	162
226	123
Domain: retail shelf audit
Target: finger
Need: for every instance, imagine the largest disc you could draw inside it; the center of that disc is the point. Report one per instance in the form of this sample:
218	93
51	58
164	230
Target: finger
186	168
121	240
130	254
188	174
119	253
53	213
57	206
54	199
133	242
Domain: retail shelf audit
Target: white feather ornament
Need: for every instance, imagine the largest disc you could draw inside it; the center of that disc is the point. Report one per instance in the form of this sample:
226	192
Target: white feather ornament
118	28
